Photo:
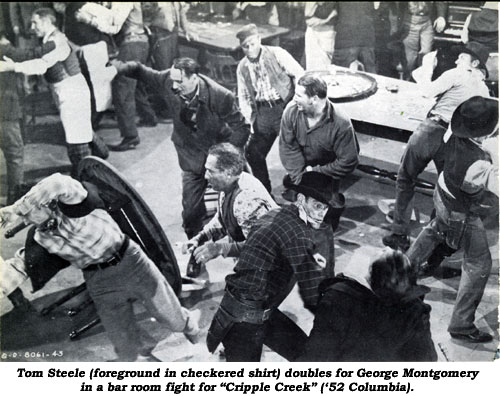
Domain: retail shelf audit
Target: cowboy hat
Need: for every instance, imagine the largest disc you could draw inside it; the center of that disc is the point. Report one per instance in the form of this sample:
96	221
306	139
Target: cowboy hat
476	117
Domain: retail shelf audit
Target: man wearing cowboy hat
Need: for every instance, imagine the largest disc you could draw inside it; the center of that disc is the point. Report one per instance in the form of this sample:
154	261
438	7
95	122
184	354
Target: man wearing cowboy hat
451	89
279	251
469	173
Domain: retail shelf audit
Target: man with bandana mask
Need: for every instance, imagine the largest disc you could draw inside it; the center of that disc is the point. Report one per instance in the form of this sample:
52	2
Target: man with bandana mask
204	113
278	252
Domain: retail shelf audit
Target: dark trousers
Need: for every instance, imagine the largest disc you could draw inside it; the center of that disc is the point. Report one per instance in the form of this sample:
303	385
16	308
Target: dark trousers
244	342
123	88
77	152
266	129
12	145
193	202
345	56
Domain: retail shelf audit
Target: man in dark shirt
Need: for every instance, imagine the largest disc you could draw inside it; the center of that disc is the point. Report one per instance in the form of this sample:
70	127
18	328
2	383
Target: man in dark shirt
204	113
279	251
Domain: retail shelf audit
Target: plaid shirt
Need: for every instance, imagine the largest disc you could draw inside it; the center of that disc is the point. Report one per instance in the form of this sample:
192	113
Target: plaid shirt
279	247
82	241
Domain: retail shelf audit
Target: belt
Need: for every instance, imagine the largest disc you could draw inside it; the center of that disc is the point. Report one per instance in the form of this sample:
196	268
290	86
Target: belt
113	260
245	310
269	103
437	118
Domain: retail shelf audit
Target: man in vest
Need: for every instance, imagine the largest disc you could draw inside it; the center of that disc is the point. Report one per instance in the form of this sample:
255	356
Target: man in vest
242	200
451	89
266	78
469	173
279	251
61	69
204	113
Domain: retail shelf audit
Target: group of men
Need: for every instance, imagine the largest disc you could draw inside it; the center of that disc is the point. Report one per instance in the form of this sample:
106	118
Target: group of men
275	247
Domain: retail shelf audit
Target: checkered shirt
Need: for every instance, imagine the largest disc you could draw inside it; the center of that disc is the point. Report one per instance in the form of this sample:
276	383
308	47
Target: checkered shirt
279	247
264	91
82	241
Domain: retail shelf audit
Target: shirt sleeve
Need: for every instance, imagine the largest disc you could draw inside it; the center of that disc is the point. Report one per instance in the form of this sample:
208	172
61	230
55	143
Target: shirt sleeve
230	113
55	187
248	207
291	66
213	229
289	149
307	272
481	175
244	97
39	66
439	86
345	147
120	13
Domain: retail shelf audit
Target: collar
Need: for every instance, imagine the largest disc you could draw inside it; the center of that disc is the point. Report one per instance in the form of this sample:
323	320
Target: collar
257	59
302	214
359	266
194	99
48	34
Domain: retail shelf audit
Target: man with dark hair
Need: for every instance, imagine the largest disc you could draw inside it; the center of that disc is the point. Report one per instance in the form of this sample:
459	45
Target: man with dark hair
266	77
59	64
315	136
242	200
204	113
426	143
278	252
373	311
469	174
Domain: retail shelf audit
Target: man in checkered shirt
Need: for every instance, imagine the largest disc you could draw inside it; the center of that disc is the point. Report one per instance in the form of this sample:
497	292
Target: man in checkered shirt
279	251
70	224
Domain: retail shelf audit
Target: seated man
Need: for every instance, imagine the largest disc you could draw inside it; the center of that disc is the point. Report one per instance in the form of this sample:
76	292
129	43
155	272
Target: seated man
469	173
115	268
279	251
242	200
372	312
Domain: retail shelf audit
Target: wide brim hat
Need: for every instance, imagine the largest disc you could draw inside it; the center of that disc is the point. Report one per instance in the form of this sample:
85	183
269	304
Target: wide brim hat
319	186
476	117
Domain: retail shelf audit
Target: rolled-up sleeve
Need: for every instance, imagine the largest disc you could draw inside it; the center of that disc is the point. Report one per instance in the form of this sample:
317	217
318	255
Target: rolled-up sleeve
290	152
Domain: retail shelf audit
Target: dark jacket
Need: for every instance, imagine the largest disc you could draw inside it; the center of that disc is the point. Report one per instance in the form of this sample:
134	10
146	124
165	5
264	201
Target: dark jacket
352	324
218	117
10	83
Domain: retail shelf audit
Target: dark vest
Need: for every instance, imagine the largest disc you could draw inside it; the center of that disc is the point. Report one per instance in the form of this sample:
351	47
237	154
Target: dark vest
280	80
461	154
61	70
226	215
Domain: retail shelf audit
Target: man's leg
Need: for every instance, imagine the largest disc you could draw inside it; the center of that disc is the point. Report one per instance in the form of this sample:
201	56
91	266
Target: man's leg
12	145
123	90
110	292
367	57
266	129
244	342
150	287
411	42
426	39
431	236
475	272
77	152
424	145
344	56
193	203
284	337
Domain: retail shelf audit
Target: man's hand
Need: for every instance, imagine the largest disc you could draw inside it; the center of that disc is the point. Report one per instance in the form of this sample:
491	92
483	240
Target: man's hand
207	252
190	245
439	24
190	36
7	215
7	65
314	21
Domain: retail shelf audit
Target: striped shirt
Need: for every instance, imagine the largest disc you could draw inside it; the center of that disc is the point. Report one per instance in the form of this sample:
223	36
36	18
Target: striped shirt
82	241
279	248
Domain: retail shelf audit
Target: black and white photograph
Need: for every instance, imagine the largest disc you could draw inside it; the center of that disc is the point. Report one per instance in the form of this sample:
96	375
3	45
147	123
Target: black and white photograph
249	182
